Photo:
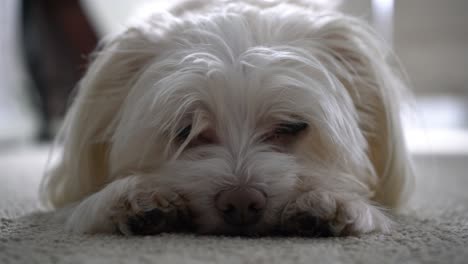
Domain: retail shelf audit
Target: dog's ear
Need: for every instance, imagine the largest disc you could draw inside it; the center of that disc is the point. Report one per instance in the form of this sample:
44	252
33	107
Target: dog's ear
83	166
372	76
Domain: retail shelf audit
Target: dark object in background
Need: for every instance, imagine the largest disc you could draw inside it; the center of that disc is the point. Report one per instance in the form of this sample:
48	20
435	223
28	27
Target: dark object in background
57	37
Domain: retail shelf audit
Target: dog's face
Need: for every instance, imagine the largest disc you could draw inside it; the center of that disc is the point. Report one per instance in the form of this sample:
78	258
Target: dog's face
256	113
236	123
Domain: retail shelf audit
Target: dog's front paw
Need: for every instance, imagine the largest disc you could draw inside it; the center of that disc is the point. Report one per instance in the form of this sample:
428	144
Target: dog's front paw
150	212
331	214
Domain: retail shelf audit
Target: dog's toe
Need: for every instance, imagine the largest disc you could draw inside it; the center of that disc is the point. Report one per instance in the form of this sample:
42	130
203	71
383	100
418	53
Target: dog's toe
304	224
147	223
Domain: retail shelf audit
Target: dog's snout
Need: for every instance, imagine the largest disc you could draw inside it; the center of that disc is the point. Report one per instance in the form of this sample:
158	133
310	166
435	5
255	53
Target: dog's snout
241	207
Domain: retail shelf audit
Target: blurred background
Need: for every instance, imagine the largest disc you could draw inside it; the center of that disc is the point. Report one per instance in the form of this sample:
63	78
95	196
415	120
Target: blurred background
44	46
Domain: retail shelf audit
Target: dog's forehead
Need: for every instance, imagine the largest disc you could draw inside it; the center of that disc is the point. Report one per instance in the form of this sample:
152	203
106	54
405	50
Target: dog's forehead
250	87
249	94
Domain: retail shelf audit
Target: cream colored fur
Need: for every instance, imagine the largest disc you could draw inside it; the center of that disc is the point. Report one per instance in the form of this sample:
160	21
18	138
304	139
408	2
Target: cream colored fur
238	68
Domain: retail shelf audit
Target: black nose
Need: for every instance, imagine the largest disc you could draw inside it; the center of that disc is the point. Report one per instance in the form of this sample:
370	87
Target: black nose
243	206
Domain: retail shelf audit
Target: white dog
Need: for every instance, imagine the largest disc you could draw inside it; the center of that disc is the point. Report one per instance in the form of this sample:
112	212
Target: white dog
236	117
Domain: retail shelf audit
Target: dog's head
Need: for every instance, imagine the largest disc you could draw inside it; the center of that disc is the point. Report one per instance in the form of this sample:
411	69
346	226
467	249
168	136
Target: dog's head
239	113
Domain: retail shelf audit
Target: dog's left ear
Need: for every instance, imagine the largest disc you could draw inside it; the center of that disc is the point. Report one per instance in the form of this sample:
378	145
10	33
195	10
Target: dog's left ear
91	119
372	76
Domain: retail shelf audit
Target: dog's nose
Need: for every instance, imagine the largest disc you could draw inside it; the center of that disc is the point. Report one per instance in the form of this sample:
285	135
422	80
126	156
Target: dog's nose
243	206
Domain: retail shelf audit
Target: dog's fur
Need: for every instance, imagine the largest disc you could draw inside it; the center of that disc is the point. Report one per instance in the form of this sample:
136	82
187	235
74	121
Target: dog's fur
236	71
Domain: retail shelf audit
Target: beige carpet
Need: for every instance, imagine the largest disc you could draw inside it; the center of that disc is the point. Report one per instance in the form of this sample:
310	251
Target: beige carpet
435	230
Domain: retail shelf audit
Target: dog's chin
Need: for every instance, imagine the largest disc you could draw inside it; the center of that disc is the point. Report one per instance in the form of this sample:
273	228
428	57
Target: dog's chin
211	222
214	225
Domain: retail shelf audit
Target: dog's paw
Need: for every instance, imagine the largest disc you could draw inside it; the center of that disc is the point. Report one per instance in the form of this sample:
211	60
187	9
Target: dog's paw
331	214
150	212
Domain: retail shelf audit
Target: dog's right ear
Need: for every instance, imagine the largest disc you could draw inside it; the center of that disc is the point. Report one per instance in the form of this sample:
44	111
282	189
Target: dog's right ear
374	80
83	166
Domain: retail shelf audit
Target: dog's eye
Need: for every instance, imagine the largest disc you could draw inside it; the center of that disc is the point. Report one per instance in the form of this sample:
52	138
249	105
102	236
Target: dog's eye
286	131
184	133
290	128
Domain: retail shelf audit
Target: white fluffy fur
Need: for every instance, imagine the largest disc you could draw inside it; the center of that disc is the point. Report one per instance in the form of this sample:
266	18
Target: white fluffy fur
238	68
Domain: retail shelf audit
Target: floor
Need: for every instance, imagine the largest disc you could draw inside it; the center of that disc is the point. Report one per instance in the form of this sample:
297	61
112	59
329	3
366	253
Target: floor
433	230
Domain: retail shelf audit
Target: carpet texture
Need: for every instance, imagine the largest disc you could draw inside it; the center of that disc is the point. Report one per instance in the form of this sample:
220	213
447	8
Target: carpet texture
433	230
